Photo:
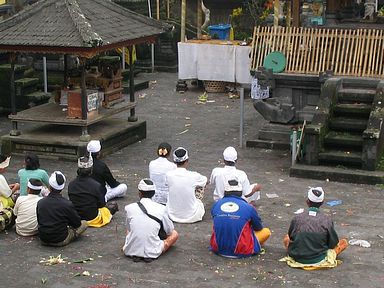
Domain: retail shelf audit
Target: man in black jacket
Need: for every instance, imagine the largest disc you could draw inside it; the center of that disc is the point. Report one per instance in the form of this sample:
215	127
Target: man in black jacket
59	223
87	195
101	173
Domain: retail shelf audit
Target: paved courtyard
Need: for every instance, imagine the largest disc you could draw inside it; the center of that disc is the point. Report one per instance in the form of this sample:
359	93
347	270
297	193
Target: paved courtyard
205	130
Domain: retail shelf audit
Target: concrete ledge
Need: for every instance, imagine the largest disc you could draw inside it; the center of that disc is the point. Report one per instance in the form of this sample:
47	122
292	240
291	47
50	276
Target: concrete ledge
63	142
268	144
337	174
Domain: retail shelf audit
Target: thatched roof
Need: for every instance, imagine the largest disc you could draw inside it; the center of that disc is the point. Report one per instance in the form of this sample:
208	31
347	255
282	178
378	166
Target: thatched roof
82	27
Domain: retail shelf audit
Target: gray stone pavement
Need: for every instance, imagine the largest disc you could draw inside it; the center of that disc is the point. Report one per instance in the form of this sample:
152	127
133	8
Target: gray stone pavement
205	130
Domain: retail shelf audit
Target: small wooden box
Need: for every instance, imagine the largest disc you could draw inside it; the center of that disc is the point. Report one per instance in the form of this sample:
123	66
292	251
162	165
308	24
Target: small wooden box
74	103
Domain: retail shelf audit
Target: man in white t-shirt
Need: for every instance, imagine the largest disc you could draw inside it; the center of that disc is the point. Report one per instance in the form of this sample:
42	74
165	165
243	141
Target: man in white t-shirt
220	175
25	209
143	242
183	206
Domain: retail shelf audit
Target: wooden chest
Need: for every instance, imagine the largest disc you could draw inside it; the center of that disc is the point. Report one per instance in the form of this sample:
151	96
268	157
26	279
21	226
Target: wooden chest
74	103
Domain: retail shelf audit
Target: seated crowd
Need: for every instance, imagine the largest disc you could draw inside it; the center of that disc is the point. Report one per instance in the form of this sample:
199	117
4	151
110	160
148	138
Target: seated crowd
172	193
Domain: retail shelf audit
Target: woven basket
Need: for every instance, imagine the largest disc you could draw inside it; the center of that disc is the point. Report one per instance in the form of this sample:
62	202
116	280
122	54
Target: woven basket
215	86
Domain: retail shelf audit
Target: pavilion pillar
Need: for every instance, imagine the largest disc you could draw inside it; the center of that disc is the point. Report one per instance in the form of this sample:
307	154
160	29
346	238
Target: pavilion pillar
14	131
132	117
84	103
66	71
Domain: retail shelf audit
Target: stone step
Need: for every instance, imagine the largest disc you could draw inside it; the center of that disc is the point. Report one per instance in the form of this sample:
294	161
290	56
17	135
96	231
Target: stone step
348	124
340	157
26	82
343	139
337	174
356	109
355	95
139	85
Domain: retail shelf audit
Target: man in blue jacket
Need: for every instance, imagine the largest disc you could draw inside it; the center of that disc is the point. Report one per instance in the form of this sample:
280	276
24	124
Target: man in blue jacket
237	228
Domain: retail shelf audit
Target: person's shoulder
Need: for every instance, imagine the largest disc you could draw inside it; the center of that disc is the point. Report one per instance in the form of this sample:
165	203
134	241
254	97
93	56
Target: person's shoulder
217	170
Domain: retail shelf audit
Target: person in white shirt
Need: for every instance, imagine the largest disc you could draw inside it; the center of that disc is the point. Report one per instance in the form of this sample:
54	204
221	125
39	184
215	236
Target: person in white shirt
142	242
183	206
157	171
25	209
220	175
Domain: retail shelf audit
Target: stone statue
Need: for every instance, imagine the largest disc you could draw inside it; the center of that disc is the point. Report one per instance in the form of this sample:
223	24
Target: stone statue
369	9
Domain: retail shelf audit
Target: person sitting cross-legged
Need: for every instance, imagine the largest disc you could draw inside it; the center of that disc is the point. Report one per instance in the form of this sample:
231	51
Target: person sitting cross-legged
25	209
219	176
8	192
87	196
101	173
237	228
186	188
144	221
312	242
59	223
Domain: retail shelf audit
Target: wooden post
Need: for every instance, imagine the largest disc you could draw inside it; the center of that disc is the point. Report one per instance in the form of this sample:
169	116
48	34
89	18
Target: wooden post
83	87
85	137
168	13
158	9
183	14
14	131
132	117
276	7
295	13
199	18
66	70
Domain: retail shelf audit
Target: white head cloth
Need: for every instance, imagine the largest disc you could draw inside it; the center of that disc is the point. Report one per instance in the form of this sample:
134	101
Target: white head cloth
94	146
316	194
53	182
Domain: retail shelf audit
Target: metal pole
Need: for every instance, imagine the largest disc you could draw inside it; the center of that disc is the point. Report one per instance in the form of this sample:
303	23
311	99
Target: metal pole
152	45
183	14
123	58
241	116
132	117
294	146
45	75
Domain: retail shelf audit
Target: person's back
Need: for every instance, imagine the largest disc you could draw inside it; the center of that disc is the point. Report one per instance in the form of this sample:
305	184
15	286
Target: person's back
312	234
237	227
31	171
85	194
143	240
158	169
312	239
25	209
220	175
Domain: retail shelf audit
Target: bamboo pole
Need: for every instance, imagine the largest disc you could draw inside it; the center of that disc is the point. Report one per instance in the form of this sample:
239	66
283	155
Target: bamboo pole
325	52
254	47
345	63
366	52
371	55
375	47
336	39
379	53
158	9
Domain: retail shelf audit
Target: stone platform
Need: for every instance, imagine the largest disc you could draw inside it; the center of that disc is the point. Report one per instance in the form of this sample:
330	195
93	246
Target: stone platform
337	174
272	136
62	142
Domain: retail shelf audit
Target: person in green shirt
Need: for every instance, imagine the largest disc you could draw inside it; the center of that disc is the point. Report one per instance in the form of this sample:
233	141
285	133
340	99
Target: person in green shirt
31	170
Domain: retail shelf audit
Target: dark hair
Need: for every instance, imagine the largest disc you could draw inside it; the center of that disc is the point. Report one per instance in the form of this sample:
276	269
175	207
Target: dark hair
31	162
84	171
35	182
229	163
314	204
164	149
2	158
147	194
180	153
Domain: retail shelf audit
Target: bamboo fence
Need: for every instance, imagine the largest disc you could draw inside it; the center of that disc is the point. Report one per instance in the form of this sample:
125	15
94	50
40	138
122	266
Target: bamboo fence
357	52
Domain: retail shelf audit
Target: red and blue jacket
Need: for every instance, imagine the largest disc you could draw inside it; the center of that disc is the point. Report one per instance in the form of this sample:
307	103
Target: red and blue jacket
234	222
